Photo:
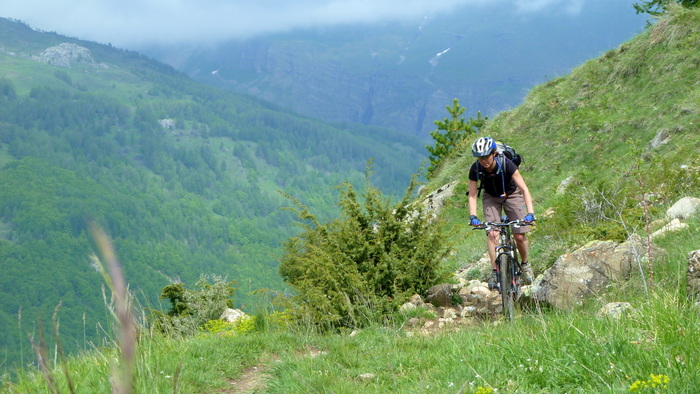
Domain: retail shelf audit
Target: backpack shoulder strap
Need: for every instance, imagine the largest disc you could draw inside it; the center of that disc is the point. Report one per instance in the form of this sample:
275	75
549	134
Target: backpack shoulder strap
479	177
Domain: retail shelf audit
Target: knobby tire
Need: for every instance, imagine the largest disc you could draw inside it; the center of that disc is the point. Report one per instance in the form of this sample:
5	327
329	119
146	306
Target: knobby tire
505	265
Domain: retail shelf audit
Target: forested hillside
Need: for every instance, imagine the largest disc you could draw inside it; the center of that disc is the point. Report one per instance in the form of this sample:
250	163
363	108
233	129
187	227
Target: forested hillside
183	177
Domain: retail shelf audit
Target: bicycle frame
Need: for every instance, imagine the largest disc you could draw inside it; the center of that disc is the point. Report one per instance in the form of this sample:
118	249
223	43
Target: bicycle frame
507	262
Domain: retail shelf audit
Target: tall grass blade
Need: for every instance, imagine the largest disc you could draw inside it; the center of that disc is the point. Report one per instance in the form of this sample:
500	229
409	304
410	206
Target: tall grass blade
59	348
122	382
42	358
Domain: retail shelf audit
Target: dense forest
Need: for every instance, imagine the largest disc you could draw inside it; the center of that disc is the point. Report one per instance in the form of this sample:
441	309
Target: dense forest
183	177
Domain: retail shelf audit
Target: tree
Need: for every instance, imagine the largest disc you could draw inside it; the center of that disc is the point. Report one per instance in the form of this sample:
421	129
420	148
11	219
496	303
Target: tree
7	89
455	130
658	7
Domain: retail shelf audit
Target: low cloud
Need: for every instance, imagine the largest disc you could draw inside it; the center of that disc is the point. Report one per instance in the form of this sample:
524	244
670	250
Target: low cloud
571	7
129	23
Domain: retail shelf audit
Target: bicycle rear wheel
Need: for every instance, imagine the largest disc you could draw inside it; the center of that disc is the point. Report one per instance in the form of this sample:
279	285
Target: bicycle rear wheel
505	264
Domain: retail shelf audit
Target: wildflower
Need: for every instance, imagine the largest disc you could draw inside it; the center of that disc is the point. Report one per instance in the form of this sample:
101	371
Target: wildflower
659	380
654	382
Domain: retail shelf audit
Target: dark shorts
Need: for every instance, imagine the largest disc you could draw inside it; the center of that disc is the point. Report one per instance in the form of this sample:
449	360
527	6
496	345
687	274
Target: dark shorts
513	206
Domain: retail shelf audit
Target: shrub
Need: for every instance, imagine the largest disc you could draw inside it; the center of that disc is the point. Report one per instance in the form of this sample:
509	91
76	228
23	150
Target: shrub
192	309
223	328
358	268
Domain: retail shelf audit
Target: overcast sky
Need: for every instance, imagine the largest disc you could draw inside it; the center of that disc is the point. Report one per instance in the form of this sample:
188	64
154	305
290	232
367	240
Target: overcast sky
135	23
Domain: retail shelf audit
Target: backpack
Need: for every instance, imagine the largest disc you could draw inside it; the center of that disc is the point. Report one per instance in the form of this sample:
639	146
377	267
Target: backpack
509	152
502	150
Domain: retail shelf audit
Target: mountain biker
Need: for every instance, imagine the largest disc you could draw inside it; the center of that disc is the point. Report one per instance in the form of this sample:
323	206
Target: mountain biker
505	190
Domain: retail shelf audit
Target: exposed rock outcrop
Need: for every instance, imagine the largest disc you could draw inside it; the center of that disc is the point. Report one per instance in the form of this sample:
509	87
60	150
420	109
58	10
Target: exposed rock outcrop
65	55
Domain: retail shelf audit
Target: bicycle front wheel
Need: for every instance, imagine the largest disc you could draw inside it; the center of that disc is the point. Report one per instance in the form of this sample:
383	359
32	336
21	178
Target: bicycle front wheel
505	263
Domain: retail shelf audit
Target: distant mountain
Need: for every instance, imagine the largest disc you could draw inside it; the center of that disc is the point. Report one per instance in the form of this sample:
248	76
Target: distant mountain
183	176
402	75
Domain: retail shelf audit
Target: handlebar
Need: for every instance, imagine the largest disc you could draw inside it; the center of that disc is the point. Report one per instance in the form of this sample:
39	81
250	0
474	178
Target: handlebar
514	223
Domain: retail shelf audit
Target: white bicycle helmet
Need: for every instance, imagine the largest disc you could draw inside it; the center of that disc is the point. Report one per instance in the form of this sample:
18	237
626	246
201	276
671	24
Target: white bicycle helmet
484	146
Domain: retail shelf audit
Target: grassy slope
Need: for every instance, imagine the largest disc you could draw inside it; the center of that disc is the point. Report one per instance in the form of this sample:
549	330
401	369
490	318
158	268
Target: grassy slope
580	125
596	126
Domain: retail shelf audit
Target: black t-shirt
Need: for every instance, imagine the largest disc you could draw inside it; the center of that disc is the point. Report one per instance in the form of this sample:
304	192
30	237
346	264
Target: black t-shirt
495	182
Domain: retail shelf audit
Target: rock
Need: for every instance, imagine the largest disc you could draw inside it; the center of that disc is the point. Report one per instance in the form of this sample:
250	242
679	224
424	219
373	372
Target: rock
167	124
480	269
661	138
468	311
65	55
482	290
615	310
564	185
450	313
435	201
587	272
440	295
413	322
684	208
416	299
674	225
693	275
366	376
232	315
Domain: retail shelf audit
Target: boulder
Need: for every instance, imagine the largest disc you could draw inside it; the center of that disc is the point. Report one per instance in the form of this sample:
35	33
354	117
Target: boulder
232	315
440	295
587	272
684	208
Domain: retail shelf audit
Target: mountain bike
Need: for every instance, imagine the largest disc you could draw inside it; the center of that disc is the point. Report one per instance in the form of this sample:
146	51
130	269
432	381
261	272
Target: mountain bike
510	278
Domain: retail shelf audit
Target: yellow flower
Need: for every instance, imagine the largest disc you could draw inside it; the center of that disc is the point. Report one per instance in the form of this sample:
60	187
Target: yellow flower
660	381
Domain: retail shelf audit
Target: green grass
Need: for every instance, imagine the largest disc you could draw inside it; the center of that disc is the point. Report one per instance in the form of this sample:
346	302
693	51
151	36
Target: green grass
544	350
540	352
